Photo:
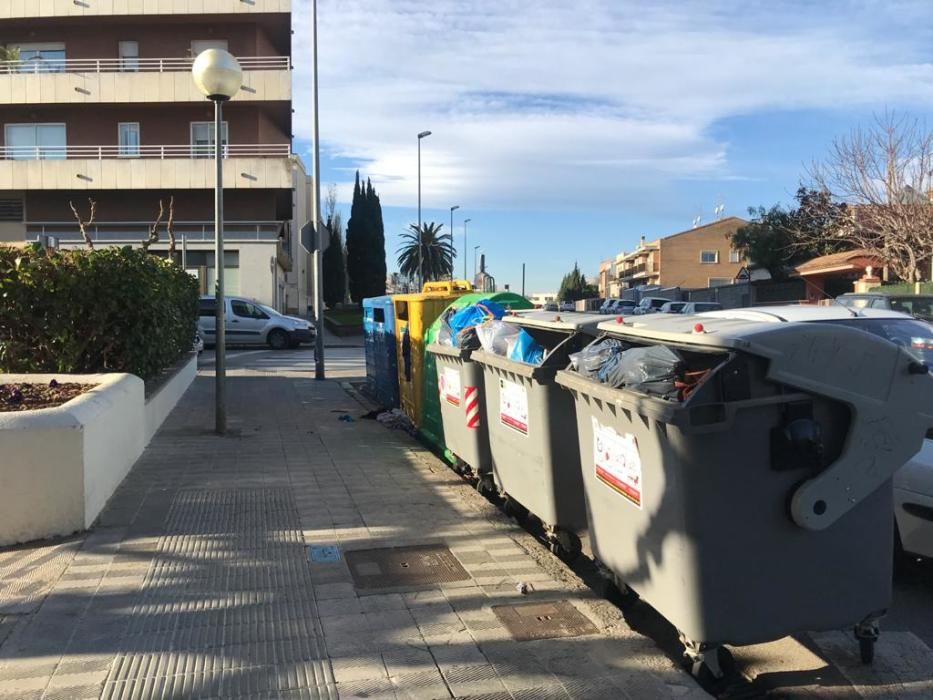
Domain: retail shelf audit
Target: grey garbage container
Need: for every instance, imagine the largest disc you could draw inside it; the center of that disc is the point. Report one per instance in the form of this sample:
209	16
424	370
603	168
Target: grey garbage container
460	388
759	504
532	435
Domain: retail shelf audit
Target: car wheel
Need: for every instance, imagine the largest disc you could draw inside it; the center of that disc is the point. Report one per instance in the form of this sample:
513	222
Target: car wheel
277	339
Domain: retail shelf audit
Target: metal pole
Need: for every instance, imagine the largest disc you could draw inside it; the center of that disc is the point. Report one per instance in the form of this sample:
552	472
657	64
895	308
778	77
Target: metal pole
523	279
452	244
317	258
220	344
184	251
420	262
465	249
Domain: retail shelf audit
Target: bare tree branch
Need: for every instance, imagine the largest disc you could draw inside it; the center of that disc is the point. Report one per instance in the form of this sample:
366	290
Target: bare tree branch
82	225
154	229
170	228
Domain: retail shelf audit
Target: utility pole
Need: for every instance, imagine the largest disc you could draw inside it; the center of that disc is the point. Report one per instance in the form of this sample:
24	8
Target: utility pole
452	247
523	279
317	258
422	135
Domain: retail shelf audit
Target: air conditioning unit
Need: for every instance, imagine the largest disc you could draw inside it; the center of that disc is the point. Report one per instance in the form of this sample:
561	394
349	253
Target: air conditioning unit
48	241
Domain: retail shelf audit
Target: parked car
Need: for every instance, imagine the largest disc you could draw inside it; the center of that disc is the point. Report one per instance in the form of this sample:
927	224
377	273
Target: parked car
673	307
567	306
606	305
917	305
247	322
700	307
913	483
650	305
551	306
621	307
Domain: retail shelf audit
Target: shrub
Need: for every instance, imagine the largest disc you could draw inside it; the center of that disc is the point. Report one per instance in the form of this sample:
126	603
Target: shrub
109	310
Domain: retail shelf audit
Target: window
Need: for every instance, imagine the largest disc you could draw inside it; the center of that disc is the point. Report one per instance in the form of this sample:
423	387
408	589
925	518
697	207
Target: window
128	134
12	210
129	56
34	141
719	281
244	309
41	58
709	257
379	315
202	139
199	45
735	256
207	307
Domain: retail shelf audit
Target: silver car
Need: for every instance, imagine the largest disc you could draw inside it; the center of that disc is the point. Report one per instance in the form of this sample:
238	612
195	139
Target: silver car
250	323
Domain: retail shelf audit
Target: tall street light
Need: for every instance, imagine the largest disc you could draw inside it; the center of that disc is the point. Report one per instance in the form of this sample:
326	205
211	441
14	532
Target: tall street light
465	249
453	250
318	256
218	75
422	135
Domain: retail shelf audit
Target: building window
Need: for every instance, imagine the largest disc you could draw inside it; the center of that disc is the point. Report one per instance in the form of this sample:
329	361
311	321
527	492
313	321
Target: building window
735	256
12	210
41	58
34	142
202	139
708	257
199	45
719	281
200	262
129	56
128	134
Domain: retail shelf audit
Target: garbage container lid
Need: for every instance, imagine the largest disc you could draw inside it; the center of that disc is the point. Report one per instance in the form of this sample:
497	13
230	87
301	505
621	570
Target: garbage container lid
568	321
732	328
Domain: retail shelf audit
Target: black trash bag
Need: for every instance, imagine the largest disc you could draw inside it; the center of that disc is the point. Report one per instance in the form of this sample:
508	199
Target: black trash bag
651	370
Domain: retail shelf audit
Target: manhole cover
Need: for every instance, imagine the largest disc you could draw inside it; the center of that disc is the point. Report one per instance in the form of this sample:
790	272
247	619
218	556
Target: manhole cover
398	567
528	621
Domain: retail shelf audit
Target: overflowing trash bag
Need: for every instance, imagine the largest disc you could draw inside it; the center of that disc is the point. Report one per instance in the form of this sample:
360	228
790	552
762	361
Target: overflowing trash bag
508	340
458	327
524	348
590	359
652	370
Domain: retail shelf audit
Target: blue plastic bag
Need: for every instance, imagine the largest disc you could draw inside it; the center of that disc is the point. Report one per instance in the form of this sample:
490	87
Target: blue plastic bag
473	315
525	349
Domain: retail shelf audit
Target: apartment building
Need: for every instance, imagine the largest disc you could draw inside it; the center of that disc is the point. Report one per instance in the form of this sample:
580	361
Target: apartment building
99	104
697	258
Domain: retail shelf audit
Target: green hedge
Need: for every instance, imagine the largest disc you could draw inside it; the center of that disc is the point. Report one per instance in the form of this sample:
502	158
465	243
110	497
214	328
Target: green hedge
904	288
108	310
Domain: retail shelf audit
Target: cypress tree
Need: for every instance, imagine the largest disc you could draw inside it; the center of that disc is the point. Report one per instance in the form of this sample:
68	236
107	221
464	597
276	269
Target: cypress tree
356	244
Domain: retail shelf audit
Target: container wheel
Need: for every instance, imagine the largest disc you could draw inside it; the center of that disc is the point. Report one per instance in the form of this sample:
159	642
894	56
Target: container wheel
485	485
514	509
866	649
565	545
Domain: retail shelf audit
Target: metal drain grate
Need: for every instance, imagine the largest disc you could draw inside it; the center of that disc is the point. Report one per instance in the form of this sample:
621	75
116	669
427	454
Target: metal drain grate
528	621
398	567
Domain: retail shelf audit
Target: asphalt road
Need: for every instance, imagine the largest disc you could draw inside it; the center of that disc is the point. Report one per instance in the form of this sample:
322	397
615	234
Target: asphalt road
339	363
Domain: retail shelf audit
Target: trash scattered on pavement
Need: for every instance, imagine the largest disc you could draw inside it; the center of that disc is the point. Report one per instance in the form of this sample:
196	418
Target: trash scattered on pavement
524	588
346	418
396	420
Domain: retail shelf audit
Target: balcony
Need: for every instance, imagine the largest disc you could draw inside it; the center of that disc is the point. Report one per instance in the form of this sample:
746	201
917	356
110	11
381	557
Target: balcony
120	80
29	9
245	166
112	232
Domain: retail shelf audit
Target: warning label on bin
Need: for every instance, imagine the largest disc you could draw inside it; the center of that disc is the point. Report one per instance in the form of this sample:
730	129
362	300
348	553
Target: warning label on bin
618	464
448	383
513	405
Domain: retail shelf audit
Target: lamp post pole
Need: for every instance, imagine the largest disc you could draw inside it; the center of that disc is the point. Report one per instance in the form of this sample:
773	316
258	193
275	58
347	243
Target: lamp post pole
218	76
422	135
453	250
465	249
318	258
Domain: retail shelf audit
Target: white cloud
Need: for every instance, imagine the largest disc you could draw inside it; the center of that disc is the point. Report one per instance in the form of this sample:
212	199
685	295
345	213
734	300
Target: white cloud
545	103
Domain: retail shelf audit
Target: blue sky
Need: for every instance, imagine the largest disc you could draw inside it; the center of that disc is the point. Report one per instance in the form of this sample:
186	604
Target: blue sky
567	130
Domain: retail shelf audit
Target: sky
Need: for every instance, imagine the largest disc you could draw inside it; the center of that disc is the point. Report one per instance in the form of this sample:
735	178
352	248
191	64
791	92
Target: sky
568	130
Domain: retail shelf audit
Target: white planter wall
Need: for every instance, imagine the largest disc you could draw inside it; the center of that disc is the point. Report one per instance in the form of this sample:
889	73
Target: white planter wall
59	466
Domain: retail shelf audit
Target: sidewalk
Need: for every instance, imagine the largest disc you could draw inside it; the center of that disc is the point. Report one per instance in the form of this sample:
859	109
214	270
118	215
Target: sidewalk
197	581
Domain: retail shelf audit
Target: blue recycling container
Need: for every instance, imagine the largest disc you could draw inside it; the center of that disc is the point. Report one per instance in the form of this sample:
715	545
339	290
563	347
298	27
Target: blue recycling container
381	352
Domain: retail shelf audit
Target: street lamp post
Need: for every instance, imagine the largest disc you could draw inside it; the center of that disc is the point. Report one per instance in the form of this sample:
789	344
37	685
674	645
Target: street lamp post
465	249
422	135
452	248
318	256
218	75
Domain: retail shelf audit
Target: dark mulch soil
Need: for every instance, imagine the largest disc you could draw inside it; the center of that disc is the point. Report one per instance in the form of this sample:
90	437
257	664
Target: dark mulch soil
29	397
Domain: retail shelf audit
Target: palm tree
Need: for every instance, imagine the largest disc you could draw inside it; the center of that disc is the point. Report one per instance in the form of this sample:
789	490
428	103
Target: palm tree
437	258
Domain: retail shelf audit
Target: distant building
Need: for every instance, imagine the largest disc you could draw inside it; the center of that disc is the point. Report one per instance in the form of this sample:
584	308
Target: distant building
697	258
542	298
604	280
101	104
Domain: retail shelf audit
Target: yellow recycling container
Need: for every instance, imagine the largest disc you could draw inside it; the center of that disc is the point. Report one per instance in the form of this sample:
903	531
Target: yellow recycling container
414	314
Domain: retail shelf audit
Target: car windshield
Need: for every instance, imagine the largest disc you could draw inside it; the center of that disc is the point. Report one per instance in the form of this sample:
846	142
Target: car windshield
914	336
922	307
270	311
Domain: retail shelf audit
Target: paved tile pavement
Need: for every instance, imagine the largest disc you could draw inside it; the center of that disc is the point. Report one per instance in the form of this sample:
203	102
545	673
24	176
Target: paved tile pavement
197	581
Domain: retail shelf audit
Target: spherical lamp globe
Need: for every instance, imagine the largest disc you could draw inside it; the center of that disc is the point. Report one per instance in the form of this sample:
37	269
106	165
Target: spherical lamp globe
217	74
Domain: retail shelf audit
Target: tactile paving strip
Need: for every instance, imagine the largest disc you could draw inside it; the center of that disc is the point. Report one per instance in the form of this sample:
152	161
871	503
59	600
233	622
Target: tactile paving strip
28	572
226	609
400	567
528	621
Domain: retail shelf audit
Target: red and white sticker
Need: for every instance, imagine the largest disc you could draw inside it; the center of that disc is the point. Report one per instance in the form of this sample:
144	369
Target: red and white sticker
448	384
513	405
617	462
471	401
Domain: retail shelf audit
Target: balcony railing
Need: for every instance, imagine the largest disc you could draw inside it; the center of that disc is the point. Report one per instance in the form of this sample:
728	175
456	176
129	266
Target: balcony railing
234	150
131	65
131	231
